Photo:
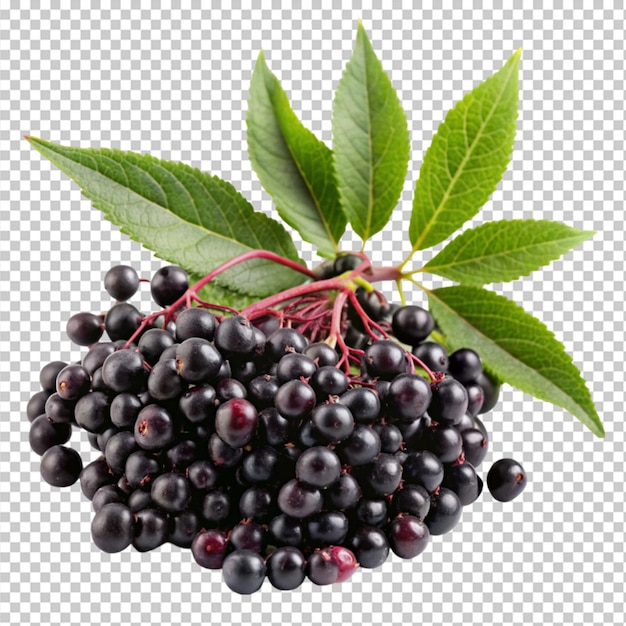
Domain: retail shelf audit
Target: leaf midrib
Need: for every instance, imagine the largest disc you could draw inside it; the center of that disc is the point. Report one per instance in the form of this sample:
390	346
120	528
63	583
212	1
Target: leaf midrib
460	169
516	360
479	259
143	198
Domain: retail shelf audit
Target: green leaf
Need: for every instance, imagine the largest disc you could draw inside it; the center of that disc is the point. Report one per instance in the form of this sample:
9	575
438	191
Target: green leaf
466	159
504	250
215	294
184	215
370	141
516	345
294	167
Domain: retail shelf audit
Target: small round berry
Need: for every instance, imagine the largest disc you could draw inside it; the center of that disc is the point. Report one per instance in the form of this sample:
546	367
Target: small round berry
506	479
385	359
244	571
433	355
491	391
235	335
168	284
465	365
44	433
449	402
295	399
61	466
235	422
121	282
195	322
318	467
171	492
209	548
286	568
48	376
412	324
112	528
298	500
333	421
73	382
124	371
408	536
121	321
445	512
84	329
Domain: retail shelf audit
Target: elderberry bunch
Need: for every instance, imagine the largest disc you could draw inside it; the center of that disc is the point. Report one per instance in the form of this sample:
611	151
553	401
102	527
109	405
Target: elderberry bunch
261	449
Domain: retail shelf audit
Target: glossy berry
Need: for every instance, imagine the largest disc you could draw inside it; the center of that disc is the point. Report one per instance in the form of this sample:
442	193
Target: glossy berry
151	529
183	527
295	399
195	322
408	397
322	569
124	371
329	381
327	528
465	365
385	359
171	492
361	447
449	402
121	282
209	548
372	511
286	531
318	467
462	479
433	355
423	468
107	494
73	381
363	403
95	475
44	433
121	321
235	335
61	466
321	353
248	536
124	409
36	405
283	341
298	500
383	475
197	360
475	446
244	571
235	422
198	403
112	528
84	329
286	568
369	545
154	428
48	376
332	421
164	382
412	324
344	494
153	343
506	480
411	499
408	536
168	284
96	356
444	441
445	512
294	365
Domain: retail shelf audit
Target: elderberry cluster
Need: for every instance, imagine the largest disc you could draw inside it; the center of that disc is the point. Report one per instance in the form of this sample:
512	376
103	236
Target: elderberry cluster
248	444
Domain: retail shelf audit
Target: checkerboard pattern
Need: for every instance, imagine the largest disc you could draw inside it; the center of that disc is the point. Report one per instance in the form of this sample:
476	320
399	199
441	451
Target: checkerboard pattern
174	83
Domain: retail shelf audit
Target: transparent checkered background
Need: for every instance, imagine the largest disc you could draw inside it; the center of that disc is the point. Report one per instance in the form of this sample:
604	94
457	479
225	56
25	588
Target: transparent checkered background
174	83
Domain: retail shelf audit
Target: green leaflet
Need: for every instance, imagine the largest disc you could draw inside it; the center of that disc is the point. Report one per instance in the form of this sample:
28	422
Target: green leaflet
215	294
515	345
370	141
184	215
294	167
467	158
505	250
